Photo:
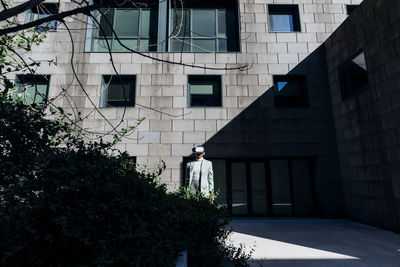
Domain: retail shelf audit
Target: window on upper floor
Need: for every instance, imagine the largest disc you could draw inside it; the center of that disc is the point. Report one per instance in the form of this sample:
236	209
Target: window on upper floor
124	27
33	88
204	26
290	91
284	18
350	9
204	91
353	76
118	91
41	11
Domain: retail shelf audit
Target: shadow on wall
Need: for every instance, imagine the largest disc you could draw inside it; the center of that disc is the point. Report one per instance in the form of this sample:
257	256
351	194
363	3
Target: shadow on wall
263	131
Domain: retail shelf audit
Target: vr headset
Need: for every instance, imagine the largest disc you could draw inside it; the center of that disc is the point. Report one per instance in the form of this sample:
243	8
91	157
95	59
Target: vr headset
198	150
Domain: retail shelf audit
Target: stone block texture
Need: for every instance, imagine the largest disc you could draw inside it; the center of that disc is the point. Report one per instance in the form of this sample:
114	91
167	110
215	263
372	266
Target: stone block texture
248	125
367	125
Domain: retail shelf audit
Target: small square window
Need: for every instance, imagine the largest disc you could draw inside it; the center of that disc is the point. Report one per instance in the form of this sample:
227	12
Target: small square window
290	91
118	91
350	9
40	11
33	88
353	76
284	18
205	91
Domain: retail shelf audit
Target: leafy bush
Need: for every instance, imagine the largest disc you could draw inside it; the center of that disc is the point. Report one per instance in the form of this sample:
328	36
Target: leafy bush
64	201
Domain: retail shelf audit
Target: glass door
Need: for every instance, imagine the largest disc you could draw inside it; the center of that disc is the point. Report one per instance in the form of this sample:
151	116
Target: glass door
258	188
239	188
302	187
265	187
281	187
248	188
291	187
220	186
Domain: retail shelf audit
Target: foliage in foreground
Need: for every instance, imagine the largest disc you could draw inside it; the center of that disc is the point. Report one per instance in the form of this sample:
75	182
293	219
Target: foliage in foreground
64	201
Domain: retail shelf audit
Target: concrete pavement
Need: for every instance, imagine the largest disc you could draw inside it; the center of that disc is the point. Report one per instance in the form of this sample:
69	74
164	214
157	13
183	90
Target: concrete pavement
316	242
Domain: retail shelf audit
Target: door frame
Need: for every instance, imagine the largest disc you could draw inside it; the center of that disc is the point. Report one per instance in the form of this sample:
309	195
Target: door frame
266	161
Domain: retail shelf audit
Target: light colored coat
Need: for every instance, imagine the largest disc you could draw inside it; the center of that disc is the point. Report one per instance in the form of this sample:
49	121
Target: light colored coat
207	176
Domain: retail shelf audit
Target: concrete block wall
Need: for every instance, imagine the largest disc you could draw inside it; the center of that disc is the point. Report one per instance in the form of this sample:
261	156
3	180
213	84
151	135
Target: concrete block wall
368	124
171	128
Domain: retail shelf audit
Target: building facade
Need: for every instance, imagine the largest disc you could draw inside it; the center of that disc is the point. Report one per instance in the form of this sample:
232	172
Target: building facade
367	113
251	80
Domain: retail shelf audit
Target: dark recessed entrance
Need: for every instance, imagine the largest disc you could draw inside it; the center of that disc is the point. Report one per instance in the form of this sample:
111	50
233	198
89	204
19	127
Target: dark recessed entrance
265	187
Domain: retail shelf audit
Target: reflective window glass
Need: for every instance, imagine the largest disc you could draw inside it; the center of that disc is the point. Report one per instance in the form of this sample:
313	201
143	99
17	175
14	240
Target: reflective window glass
281	23
284	18
118	91
203	23
180	45
34	88
201	45
205	29
239	188
204	91
280	186
106	21
135	28
353	76
126	22
290	91
40	11
181	22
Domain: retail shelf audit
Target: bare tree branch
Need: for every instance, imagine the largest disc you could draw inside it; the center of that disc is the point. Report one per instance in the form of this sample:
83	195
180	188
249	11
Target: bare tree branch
60	17
11	12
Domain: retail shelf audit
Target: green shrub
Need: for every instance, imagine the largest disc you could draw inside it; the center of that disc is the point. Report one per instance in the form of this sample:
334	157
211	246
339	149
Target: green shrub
64	201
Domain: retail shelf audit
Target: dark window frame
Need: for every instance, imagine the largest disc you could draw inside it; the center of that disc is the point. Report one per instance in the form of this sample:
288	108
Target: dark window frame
41	10
301	101
216	80
131	79
21	80
152	37
346	90
284	9
191	5
350	9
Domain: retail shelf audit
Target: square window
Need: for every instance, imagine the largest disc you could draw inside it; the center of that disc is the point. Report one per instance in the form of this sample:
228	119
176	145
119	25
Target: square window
204	27
284	18
40	11
118	91
353	76
290	91
350	9
205	91
34	88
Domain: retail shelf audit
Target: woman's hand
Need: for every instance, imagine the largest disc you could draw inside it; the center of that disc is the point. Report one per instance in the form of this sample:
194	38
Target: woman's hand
212	197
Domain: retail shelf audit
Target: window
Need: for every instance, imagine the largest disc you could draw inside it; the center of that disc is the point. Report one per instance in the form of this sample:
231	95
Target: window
290	91
118	91
33	88
41	11
284	18
205	91
350	9
204	27
133	27
353	76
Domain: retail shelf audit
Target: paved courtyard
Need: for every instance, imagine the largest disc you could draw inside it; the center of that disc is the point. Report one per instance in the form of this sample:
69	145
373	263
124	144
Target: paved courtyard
316	242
